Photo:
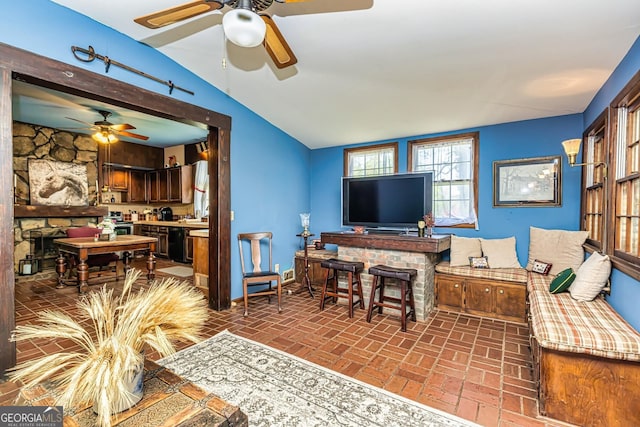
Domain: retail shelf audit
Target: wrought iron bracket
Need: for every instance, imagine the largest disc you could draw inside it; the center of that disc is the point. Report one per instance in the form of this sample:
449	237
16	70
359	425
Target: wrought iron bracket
91	54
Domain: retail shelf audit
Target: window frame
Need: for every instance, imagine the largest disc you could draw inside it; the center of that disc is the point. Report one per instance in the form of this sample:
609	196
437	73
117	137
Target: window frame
475	137
593	173
377	147
629	96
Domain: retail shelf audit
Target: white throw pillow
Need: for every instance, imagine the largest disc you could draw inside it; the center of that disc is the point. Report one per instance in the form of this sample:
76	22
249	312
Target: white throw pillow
501	253
561	248
462	248
591	277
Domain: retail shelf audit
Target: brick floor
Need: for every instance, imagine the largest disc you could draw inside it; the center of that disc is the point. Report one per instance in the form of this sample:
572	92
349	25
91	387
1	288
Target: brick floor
475	368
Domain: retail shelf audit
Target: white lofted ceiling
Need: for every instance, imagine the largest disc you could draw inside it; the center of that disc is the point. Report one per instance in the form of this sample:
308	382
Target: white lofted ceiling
380	69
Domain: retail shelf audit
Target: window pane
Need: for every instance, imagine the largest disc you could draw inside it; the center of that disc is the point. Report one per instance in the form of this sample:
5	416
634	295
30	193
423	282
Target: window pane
371	161
452	163
461	171
460	191
442	172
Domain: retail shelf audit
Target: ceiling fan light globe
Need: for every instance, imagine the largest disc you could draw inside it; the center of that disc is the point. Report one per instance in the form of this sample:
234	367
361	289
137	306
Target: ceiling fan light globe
104	137
244	27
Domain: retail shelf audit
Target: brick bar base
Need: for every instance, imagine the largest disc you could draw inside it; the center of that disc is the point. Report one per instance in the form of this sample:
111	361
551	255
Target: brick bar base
423	285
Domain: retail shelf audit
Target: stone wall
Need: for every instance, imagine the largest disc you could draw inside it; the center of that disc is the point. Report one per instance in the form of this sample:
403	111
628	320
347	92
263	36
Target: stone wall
38	142
423	285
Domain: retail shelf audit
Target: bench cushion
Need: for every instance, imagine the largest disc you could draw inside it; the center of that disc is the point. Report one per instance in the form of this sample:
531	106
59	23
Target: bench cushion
516	275
558	322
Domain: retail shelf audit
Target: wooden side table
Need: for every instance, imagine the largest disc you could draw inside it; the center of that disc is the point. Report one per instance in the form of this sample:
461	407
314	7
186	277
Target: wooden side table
169	400
315	270
305	279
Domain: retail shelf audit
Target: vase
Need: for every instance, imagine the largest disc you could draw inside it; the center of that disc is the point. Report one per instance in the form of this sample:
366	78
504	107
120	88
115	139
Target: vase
428	231
134	386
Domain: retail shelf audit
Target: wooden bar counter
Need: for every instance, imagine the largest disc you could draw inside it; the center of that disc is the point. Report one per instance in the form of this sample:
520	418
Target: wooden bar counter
394	250
400	242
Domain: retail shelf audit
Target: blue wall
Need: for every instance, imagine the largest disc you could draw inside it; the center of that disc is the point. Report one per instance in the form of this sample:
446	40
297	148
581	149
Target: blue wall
269	169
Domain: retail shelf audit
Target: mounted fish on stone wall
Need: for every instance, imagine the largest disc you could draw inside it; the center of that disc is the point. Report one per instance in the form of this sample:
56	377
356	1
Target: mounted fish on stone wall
53	183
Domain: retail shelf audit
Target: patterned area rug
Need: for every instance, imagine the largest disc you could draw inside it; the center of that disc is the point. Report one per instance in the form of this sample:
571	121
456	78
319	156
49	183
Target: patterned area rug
277	389
178	271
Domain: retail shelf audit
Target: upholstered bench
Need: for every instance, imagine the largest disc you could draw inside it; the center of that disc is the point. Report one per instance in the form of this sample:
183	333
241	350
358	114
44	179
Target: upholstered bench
586	358
499	293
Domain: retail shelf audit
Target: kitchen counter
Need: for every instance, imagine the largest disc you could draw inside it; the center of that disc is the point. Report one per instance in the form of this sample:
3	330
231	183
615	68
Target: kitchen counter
195	224
199	233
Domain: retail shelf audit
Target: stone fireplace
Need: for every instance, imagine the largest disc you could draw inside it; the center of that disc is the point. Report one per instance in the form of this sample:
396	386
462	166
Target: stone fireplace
34	236
35	227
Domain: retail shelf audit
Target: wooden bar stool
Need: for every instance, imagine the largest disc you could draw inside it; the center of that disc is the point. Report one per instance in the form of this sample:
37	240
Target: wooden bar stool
353	270
403	276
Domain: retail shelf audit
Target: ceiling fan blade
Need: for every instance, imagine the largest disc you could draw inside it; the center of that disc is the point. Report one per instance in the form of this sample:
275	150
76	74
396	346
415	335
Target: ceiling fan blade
177	14
276	45
122	126
80	121
132	135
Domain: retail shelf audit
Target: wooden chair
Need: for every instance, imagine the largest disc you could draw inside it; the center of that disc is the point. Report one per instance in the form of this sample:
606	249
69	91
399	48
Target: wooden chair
99	260
257	243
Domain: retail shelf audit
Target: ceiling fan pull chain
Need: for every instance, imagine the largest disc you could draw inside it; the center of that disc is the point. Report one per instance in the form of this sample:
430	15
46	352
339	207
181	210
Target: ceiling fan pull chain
91	55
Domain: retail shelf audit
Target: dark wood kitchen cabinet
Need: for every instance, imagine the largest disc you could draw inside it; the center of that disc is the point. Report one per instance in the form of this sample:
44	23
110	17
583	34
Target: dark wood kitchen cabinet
171	184
118	179
137	186
162	234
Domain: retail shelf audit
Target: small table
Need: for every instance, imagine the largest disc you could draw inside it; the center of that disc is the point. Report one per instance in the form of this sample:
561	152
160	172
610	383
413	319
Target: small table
82	247
169	400
306	278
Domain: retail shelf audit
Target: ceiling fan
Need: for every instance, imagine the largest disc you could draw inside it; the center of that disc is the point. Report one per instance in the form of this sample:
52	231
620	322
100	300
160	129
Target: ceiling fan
244	25
106	132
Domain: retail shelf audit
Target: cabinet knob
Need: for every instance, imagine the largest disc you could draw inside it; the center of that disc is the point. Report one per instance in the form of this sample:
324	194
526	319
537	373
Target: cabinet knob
501	291
487	290
456	285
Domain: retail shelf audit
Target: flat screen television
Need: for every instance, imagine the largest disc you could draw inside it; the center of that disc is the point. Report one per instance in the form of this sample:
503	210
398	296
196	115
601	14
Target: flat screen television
387	201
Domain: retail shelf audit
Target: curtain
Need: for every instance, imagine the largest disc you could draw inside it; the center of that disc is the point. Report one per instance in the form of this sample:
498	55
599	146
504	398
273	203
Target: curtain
201	189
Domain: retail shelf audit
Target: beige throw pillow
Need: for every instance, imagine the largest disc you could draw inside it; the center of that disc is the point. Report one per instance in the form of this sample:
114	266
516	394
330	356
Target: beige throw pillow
462	248
591	277
561	248
501	253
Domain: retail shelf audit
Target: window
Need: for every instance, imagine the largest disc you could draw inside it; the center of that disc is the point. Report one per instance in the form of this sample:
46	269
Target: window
611	181
626	242
454	162
593	202
381	159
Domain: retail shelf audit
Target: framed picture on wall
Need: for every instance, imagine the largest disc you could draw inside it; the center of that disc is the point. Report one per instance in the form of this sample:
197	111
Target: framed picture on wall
527	182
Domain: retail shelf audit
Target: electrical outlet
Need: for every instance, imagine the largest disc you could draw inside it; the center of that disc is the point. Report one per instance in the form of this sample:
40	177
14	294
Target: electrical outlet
277	267
287	276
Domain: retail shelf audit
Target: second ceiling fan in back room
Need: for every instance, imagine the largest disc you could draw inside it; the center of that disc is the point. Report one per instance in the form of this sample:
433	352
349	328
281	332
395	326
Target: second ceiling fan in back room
244	25
107	132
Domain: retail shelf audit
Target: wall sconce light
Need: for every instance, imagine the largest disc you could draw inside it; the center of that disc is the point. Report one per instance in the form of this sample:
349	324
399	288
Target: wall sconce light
572	148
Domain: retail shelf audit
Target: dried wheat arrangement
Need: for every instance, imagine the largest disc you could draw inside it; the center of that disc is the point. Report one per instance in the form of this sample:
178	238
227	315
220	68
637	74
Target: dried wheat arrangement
112	332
